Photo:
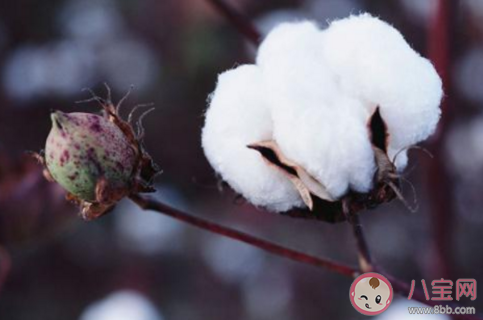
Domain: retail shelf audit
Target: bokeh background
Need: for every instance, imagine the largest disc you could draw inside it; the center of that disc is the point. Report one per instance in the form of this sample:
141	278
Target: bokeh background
143	266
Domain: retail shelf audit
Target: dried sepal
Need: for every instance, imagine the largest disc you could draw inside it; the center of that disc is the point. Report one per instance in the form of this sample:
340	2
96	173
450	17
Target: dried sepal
89	210
386	170
321	205
305	184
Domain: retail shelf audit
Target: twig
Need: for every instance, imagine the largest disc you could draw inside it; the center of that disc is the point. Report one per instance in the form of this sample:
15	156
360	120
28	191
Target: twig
241	23
151	204
365	260
399	286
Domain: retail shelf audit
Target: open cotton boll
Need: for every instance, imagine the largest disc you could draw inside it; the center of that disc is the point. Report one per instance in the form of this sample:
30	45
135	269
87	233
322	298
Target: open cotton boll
330	141
315	125
291	60
373	62
314	93
238	116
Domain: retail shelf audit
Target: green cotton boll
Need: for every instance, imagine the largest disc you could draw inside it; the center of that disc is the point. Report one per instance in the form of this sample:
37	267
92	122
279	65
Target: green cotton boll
83	148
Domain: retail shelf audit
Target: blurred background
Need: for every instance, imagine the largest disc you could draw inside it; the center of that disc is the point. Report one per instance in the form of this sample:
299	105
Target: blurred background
141	265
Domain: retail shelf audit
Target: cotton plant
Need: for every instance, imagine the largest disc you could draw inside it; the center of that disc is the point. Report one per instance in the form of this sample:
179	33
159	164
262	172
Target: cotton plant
322	116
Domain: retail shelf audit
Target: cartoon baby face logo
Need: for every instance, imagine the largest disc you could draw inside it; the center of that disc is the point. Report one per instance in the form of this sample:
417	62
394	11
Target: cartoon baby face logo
371	294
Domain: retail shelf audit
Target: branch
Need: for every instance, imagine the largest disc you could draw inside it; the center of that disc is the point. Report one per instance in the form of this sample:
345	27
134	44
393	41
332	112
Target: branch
365	260
151	204
241	23
399	286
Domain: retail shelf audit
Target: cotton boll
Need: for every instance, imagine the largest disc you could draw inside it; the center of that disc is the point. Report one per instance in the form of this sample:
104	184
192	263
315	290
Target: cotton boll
315	125
291	60
330	141
374	63
314	92
238	116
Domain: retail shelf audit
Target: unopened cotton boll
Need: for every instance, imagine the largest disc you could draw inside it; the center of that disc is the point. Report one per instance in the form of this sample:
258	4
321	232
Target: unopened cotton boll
372	62
238	116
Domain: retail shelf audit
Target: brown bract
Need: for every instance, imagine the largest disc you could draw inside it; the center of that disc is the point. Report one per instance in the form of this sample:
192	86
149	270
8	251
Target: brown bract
320	204
142	176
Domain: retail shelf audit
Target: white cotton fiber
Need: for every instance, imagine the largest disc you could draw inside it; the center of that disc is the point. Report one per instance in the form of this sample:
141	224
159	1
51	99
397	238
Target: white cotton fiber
313	92
374	63
291	62
237	116
315	124
330	143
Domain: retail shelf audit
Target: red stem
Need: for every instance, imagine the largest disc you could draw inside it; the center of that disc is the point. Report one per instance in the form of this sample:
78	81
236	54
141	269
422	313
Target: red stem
150	204
365	260
241	23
